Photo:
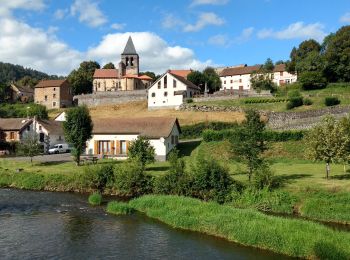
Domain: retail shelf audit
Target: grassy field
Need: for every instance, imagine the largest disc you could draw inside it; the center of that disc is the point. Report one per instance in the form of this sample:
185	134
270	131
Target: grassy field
292	237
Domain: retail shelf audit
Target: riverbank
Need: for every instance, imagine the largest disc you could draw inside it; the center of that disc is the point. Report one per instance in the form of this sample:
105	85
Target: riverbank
297	238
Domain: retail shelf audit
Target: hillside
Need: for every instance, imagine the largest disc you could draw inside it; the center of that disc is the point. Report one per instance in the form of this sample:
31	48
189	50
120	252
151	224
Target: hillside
10	72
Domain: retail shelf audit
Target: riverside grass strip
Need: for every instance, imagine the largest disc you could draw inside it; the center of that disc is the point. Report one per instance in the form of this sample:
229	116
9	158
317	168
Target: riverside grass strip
298	238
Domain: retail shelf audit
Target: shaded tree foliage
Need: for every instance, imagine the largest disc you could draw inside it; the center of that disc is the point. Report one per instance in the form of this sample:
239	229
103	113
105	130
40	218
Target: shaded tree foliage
208	76
142	150
81	79
29	146
109	65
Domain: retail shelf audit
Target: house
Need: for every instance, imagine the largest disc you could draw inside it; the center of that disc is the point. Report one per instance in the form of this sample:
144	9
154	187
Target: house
238	78
170	91
53	94
112	136
61	117
126	77
50	132
24	94
13	129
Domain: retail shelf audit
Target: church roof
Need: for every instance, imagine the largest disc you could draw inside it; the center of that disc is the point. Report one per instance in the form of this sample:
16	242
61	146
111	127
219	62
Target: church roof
129	47
106	73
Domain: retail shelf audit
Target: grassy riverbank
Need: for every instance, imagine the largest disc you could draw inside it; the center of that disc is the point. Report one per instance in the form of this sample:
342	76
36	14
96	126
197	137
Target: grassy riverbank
287	236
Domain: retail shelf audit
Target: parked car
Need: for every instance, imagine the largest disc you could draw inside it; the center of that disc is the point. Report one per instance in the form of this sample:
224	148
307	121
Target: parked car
60	148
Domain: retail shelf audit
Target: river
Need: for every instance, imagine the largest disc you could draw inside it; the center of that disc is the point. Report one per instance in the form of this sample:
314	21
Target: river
48	225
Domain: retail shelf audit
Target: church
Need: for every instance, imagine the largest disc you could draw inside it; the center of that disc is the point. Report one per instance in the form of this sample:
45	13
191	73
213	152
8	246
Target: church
126	77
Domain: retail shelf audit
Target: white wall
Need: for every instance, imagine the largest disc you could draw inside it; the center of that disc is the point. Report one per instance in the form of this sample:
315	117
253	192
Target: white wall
286	77
61	117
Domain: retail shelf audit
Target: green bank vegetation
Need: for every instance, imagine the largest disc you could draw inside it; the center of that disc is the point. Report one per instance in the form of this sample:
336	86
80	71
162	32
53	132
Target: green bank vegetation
119	208
95	199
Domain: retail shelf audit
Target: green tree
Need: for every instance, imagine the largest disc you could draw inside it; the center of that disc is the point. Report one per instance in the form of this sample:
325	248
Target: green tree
151	75
249	143
337	55
29	146
197	78
212	79
268	65
312	80
142	150
78	129
109	65
328	142
261	80
81	78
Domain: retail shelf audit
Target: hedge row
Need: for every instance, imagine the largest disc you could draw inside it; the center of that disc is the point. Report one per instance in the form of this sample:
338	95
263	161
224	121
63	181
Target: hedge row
195	131
273	136
264	100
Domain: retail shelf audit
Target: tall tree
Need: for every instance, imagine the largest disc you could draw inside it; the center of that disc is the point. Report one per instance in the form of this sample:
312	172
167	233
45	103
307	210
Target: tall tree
212	79
197	78
29	146
109	65
329	142
81	78
78	129
268	65
249	143
151	75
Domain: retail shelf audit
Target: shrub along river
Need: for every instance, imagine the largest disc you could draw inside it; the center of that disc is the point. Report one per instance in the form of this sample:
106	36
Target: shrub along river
42	225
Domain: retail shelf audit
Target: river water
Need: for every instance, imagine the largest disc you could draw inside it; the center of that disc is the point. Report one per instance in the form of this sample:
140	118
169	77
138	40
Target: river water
46	225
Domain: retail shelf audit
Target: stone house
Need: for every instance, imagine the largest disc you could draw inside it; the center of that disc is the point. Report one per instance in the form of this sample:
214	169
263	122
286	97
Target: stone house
238	78
13	129
126	77
23	94
53	94
112	136
170	91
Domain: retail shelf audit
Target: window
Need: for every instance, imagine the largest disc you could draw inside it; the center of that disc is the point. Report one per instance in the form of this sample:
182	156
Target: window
54	89
176	139
174	83
12	135
240	80
231	81
54	95
40	127
59	138
165	81
153	94
45	98
224	81
172	139
165	94
28	128
122	147
281	73
159	84
104	147
131	61
53	104
41	137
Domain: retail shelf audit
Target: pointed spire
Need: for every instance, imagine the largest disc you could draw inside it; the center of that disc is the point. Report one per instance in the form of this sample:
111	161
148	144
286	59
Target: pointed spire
129	47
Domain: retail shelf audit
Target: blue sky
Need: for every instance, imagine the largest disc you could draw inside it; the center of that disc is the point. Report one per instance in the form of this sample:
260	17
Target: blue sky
55	36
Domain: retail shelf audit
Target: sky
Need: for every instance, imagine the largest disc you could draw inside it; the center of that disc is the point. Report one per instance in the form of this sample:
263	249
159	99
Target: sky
55	36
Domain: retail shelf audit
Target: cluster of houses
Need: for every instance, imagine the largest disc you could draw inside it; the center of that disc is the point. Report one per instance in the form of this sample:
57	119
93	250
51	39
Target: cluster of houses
111	137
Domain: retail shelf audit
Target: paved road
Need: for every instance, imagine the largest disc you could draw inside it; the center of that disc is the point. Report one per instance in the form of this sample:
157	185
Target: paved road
63	157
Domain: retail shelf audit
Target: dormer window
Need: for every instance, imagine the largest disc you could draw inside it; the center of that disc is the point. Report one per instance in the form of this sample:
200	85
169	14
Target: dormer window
159	84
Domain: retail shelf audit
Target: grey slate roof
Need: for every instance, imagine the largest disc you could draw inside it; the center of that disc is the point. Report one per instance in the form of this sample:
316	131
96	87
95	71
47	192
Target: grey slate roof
130	48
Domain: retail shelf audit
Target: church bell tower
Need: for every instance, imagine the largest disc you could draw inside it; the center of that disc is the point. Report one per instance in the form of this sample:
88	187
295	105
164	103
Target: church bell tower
130	58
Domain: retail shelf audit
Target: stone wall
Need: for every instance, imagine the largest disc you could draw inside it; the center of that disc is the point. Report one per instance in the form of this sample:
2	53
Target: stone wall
227	95
110	98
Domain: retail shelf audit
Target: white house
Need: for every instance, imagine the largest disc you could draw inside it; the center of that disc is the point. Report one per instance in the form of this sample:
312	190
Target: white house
50	132
112	136
238	78
61	117
170	91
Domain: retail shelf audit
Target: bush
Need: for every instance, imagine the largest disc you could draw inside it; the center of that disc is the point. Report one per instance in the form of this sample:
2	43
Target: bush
331	101
119	208
307	102
96	177
196	130
294	102
95	199
264	177
21	110
189	100
142	150
311	80
264	100
130	179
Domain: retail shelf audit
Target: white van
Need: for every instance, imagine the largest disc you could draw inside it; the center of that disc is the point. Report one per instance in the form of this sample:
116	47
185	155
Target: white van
59	148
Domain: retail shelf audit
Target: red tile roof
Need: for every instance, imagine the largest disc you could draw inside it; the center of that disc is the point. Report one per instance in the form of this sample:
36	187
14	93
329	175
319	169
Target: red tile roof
279	68
181	73
50	83
145	77
106	73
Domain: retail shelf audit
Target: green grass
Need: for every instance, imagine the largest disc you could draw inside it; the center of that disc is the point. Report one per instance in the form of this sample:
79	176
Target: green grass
95	199
119	208
292	237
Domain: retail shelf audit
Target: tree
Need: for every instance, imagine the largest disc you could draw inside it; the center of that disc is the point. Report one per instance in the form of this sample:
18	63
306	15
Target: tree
268	65
142	150
29	146
197	78
78	129
329	142
249	143
212	79
312	80
81	78
109	65
261	80
151	75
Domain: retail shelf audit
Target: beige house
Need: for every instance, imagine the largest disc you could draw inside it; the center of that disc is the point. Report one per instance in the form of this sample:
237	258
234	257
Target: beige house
112	136
126	77
53	94
12	129
21	93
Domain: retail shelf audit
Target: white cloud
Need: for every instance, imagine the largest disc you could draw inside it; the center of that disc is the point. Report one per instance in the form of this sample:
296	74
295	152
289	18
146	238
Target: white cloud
88	12
35	48
6	6
297	30
60	13
171	21
155	53
118	26
219	39
204	20
225	41
345	18
245	35
208	2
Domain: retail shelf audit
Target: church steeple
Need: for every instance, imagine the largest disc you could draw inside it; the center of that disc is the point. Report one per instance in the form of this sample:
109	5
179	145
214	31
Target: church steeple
130	58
